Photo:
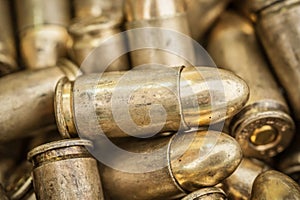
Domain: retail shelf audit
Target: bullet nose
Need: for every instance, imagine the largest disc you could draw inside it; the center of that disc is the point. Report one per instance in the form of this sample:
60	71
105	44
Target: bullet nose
203	158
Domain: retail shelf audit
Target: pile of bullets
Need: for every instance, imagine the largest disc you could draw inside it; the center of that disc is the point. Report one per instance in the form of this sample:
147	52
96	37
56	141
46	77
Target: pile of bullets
149	99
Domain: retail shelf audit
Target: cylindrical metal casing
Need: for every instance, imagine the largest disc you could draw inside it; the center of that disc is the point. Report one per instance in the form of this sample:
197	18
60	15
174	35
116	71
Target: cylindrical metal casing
87	8
264	127
276	25
26	98
8	53
155	45
210	193
202	14
274	185
238	186
65	170
42	31
184	166
99	36
118	103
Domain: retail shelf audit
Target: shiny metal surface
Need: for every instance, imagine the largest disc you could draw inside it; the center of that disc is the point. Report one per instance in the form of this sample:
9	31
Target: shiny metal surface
210	193
87	8
264	127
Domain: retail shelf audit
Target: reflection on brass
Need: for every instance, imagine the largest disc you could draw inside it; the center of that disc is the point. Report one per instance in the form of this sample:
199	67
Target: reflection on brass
7	41
275	25
65	170
26	98
272	185
202	14
238	186
42	31
87	8
3	195
189	161
118	103
210	193
167	17
264	127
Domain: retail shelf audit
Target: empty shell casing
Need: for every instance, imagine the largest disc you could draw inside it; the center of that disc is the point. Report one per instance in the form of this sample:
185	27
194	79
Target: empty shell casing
3	195
185	167
210	193
65	170
27	100
202	14
153	39
271	185
87	8
98	36
238	185
118	103
275	25
264	127
42	31
8	55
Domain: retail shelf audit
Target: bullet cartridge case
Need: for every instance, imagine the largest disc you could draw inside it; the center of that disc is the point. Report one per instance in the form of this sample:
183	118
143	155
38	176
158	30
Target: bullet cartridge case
276	27
3	196
42	31
26	98
157	27
98	36
210	193
8	53
239	184
65	170
184	166
274	185
264	127
87	8
118	103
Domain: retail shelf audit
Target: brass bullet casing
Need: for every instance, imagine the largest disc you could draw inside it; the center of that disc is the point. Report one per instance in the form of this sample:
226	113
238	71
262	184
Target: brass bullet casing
26	98
87	8
202	14
98	36
156	45
238	186
264	127
3	196
118	103
210	193
184	168
275	25
274	185
8	53
65	170
42	31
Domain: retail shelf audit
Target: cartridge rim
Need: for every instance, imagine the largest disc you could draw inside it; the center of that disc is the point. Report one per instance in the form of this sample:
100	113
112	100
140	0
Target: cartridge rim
69	68
204	192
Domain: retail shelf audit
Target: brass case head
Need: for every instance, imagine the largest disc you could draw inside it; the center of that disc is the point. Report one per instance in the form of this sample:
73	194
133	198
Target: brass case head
210	193
65	169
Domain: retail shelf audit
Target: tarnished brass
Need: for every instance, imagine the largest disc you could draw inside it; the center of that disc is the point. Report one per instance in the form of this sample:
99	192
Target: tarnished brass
275	24
87	8
26	100
202	14
119	103
97	36
272	185
7	41
238	186
42	31
264	127
185	168
65	170
166	16
3	195
210	193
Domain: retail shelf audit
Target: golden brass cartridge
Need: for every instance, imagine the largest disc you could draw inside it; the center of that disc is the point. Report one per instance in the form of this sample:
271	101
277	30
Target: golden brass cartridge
87	8
210	193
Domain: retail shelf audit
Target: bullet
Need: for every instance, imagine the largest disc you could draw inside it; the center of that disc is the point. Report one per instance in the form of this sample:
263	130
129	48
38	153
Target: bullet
65	170
274	185
202	14
188	162
275	25
120	104
2	194
264	127
26	98
42	31
239	184
210	193
99	36
8	53
155	30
